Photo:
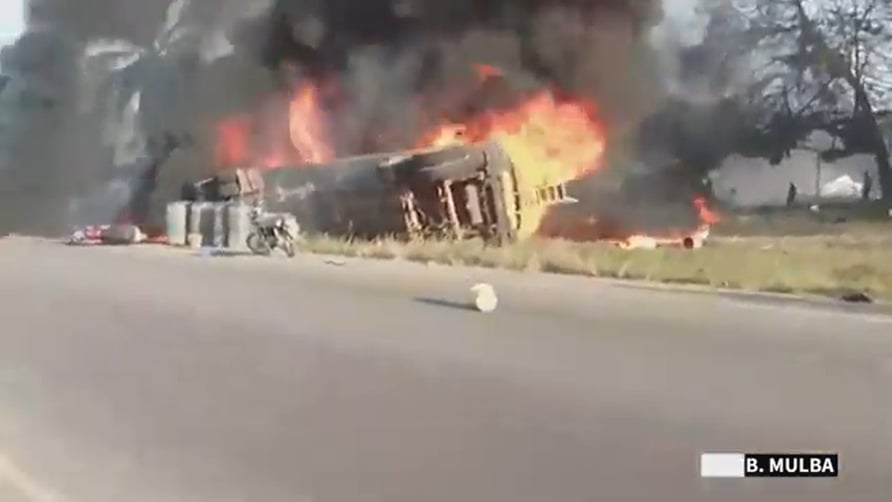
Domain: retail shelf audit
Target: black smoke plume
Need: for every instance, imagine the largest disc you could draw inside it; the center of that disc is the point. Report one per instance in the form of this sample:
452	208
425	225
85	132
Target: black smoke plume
108	105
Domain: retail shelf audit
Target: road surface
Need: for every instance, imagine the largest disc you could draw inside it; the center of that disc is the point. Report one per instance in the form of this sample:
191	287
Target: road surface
144	374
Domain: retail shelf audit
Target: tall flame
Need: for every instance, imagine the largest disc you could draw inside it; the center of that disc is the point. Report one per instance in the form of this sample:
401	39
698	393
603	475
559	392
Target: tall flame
707	216
485	71
232	141
549	142
541	134
307	128
241	141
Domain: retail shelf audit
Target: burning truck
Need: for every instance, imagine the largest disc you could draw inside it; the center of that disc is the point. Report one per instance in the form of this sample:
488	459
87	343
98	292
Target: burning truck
488	116
497	176
491	176
457	192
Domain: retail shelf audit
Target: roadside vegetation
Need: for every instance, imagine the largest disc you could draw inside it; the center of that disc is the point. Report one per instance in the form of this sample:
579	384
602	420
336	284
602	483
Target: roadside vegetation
837	259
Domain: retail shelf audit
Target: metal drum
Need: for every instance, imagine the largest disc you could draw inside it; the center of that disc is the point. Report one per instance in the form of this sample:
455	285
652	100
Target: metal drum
238	226
177	223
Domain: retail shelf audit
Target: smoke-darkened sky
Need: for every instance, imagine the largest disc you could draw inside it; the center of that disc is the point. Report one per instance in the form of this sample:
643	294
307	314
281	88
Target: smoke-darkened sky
384	55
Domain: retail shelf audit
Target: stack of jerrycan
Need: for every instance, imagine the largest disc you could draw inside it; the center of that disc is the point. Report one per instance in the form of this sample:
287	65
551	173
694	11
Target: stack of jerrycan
218	212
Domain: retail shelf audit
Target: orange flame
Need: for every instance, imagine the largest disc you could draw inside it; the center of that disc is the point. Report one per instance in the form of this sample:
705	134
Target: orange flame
486	72
549	142
307	138
587	228
232	141
707	215
307	128
542	134
689	239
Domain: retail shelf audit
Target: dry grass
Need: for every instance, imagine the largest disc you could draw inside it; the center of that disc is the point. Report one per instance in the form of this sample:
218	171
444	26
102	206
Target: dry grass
810	264
849	219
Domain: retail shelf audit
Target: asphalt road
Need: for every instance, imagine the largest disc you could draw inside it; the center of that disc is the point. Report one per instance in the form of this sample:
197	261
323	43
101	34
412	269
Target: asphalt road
131	374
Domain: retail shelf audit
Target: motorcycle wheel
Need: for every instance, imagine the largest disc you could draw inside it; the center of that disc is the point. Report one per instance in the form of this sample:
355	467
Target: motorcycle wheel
258	245
288	247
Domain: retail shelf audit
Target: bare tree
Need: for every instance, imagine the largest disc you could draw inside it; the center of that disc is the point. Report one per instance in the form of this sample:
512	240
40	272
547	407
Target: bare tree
823	65
862	34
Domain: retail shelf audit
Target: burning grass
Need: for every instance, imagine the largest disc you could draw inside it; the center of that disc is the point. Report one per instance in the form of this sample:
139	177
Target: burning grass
825	265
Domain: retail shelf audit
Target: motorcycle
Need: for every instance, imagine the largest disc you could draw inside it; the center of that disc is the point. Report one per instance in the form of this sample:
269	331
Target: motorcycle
270	232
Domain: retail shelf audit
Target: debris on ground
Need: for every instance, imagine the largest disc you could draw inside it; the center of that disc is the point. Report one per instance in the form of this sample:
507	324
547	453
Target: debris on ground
334	262
695	240
93	235
86	236
856	297
484	297
194	241
639	242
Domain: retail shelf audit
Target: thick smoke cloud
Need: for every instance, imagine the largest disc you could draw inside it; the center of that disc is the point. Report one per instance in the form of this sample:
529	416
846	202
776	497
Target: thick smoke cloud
590	48
131	90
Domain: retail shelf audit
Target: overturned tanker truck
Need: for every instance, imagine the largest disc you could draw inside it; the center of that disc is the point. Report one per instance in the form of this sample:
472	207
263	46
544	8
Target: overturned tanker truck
457	192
